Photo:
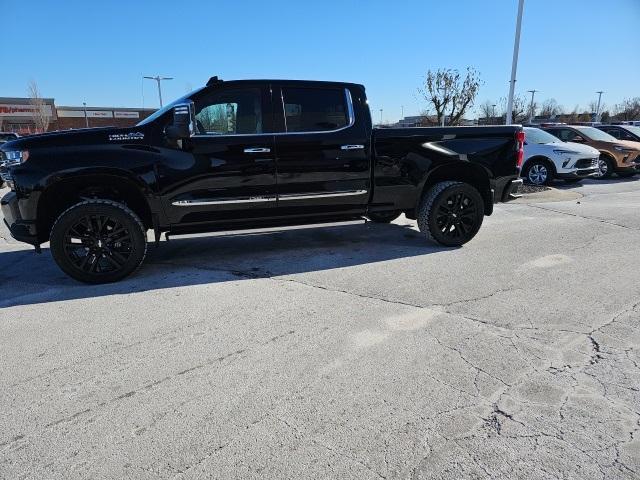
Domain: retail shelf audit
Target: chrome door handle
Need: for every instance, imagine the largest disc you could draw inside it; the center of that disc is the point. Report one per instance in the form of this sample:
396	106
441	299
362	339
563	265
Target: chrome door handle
352	147
257	150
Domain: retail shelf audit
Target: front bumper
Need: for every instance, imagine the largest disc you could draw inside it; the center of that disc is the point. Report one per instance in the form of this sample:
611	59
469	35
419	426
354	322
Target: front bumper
579	173
20	229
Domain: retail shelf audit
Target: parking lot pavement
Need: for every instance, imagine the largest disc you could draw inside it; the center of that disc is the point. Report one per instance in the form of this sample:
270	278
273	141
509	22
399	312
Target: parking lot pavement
349	352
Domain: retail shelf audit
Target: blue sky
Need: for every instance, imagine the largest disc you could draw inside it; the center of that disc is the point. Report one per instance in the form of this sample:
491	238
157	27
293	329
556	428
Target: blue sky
98	51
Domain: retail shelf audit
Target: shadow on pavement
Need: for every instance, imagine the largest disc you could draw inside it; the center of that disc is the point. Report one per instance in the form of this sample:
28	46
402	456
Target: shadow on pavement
27	278
570	186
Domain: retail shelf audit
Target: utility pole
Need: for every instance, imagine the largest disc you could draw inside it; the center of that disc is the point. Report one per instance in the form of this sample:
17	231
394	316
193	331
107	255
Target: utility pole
402	110
380	116
514	64
158	79
533	93
86	119
494	110
600	92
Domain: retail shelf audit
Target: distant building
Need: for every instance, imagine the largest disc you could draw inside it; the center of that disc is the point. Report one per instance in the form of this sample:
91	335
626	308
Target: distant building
16	115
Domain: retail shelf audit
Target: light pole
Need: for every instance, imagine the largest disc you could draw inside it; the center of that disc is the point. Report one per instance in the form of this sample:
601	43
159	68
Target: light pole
86	119
402	110
600	92
158	79
380	116
533	93
493	111
514	64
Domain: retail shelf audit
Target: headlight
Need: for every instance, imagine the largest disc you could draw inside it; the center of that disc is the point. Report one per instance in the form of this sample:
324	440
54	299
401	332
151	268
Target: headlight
565	152
13	157
620	148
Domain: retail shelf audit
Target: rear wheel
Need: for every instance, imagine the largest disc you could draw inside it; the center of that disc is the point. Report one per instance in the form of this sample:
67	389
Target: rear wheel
383	217
538	172
98	241
451	213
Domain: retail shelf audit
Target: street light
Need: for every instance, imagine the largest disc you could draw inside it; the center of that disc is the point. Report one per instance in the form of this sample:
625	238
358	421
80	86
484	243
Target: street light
380	116
86	119
494	111
514	64
533	93
158	79
600	92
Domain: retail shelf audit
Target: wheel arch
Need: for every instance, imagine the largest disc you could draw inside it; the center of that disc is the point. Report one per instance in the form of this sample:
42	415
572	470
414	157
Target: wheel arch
541	158
62	193
473	174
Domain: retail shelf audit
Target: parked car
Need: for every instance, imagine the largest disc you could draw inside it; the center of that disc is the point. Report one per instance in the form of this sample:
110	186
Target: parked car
622	132
248	154
546	158
616	156
6	136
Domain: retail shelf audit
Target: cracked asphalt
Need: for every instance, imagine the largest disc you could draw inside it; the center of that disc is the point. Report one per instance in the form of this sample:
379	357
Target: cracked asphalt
355	352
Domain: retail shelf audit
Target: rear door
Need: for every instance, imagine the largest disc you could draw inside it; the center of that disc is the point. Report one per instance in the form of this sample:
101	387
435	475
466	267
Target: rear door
322	150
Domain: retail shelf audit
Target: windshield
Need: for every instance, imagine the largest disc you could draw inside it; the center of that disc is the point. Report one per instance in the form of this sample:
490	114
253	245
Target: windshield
166	108
537	136
595	134
6	137
632	129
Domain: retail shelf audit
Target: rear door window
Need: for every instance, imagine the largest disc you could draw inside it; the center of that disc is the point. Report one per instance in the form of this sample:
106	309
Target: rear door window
315	109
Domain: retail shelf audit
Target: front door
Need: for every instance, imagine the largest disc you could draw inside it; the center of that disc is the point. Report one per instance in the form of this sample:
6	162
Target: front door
323	153
232	174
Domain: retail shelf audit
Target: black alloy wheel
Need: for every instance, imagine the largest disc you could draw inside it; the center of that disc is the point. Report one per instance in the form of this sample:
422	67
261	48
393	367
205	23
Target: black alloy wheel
451	213
98	241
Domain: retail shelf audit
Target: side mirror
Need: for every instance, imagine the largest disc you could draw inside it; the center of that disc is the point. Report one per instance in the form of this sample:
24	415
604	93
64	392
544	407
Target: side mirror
184	121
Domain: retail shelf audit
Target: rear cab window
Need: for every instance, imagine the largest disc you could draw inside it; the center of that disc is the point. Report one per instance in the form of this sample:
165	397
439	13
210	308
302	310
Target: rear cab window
315	109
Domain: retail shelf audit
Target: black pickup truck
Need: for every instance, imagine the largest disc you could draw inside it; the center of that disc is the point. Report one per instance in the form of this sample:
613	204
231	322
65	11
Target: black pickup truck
248	154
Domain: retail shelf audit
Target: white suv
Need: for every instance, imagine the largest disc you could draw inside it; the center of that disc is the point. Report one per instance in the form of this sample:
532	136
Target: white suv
547	157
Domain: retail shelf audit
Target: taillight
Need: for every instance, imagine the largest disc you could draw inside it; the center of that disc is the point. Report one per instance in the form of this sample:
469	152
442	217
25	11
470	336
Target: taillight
520	140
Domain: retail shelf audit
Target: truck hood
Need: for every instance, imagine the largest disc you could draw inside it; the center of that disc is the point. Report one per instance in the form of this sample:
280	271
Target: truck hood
83	136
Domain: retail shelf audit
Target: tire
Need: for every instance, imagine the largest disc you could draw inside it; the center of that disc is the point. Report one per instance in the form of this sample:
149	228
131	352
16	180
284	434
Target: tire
383	217
538	172
606	166
98	241
439	218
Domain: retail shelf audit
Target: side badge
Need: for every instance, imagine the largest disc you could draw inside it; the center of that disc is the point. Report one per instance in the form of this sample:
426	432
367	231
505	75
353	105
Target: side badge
119	137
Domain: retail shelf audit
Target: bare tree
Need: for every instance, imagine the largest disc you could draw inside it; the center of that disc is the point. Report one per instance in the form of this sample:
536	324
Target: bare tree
449	93
550	108
519	111
629	109
41	114
486	109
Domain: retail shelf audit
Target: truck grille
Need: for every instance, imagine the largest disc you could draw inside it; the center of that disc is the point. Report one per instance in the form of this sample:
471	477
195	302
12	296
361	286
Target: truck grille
587	163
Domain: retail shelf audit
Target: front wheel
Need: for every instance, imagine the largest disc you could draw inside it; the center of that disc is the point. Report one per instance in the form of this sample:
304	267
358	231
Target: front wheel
98	241
451	213
605	167
538	172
